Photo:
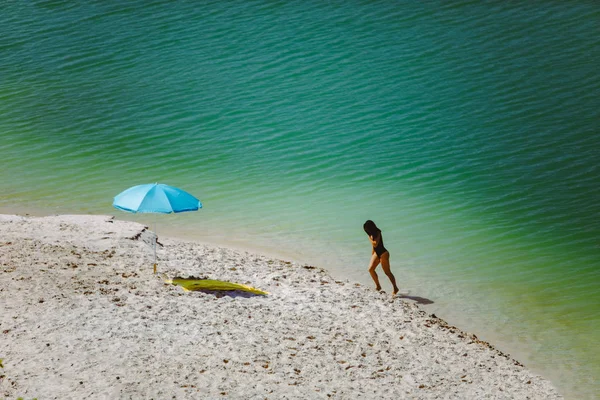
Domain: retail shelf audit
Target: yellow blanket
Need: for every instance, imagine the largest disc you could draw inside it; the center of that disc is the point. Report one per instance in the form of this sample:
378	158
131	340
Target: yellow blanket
193	284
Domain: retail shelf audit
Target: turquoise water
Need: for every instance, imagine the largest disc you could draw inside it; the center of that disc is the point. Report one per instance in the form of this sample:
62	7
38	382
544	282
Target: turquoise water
467	131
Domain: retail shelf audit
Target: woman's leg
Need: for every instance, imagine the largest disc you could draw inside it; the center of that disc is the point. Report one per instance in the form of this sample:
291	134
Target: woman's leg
372	265
385	264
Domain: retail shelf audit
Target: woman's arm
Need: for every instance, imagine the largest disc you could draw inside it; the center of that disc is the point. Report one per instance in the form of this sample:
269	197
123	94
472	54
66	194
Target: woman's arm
375	241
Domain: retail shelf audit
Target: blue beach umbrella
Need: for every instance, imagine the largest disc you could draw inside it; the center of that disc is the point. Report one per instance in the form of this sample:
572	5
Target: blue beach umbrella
156	198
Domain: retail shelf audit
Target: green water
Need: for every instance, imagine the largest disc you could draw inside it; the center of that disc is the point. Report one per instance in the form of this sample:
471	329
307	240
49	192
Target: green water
467	131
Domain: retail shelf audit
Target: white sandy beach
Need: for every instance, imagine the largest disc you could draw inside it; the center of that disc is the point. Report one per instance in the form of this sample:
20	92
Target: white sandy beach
83	316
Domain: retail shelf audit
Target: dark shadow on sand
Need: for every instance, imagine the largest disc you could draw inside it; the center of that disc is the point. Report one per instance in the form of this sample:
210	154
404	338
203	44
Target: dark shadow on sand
419	300
230	293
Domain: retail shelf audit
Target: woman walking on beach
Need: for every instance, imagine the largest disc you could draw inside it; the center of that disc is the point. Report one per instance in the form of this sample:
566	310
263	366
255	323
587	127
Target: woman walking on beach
379	255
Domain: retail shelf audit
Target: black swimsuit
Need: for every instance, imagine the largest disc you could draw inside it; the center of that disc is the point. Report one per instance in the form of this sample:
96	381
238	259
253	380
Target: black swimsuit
380	249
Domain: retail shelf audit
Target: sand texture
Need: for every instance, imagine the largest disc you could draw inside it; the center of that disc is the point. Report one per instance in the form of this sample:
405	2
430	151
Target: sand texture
83	317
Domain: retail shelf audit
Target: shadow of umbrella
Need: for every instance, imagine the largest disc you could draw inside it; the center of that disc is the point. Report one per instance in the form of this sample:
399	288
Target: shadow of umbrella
156	198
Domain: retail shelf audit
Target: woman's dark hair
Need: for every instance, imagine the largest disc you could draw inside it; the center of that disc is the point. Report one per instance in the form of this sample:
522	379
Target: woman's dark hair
371	229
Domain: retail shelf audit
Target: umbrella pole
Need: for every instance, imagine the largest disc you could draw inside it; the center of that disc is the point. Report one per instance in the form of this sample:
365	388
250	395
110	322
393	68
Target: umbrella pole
155	244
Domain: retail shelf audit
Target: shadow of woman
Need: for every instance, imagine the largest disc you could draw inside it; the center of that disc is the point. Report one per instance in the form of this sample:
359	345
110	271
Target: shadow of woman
419	300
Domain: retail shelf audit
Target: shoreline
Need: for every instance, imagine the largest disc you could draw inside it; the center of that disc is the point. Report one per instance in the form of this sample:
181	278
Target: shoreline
85	317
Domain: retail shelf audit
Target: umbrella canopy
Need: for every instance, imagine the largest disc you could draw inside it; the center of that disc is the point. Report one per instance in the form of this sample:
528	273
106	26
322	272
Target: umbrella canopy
156	198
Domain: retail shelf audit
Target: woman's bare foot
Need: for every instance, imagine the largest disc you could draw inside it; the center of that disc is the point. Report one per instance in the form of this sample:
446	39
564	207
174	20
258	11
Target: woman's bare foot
378	288
395	292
